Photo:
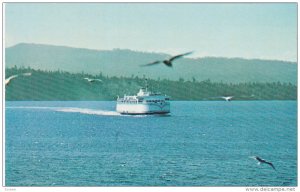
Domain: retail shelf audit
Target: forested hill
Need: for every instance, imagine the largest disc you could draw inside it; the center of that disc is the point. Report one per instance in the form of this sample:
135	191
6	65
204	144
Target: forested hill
126	63
57	85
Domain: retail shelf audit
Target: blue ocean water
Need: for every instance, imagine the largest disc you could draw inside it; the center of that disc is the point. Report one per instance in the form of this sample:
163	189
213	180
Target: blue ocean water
201	143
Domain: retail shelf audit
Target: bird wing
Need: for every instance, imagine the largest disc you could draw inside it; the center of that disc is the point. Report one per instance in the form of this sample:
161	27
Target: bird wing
10	78
260	159
153	63
271	164
227	98
178	56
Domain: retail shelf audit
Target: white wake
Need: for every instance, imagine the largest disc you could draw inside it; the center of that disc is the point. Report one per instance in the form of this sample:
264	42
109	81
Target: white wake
88	111
75	110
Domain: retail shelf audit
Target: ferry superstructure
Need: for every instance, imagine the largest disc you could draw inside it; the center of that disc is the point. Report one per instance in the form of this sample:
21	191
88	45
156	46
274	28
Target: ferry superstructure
145	102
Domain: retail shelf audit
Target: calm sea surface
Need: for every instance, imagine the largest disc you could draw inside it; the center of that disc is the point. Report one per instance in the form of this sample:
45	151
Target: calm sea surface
203	143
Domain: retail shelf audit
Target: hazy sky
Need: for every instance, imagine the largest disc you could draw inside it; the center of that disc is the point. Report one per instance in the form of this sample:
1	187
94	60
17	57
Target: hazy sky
253	30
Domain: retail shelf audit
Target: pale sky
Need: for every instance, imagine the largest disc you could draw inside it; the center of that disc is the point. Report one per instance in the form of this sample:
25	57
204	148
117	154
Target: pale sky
247	30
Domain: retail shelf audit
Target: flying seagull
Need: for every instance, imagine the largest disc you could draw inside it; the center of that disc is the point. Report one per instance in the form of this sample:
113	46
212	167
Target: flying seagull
8	80
263	161
228	98
168	62
92	80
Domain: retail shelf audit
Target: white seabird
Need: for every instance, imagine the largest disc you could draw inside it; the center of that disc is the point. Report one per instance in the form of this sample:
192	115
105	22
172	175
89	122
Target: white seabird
228	98
92	80
8	80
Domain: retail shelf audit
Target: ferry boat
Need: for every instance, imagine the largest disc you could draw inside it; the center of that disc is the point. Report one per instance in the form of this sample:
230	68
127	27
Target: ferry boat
145	102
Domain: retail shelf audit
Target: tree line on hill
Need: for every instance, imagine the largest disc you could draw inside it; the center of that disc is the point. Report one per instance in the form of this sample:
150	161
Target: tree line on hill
61	85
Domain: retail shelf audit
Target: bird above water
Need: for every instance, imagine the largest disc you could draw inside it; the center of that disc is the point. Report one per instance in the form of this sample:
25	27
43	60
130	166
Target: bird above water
261	161
8	80
168	62
228	98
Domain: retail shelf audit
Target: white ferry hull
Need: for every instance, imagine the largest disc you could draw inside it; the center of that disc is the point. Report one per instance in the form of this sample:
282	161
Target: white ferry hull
142	108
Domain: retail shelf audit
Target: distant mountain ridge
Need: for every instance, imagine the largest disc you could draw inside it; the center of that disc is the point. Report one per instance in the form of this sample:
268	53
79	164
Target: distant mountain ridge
126	63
